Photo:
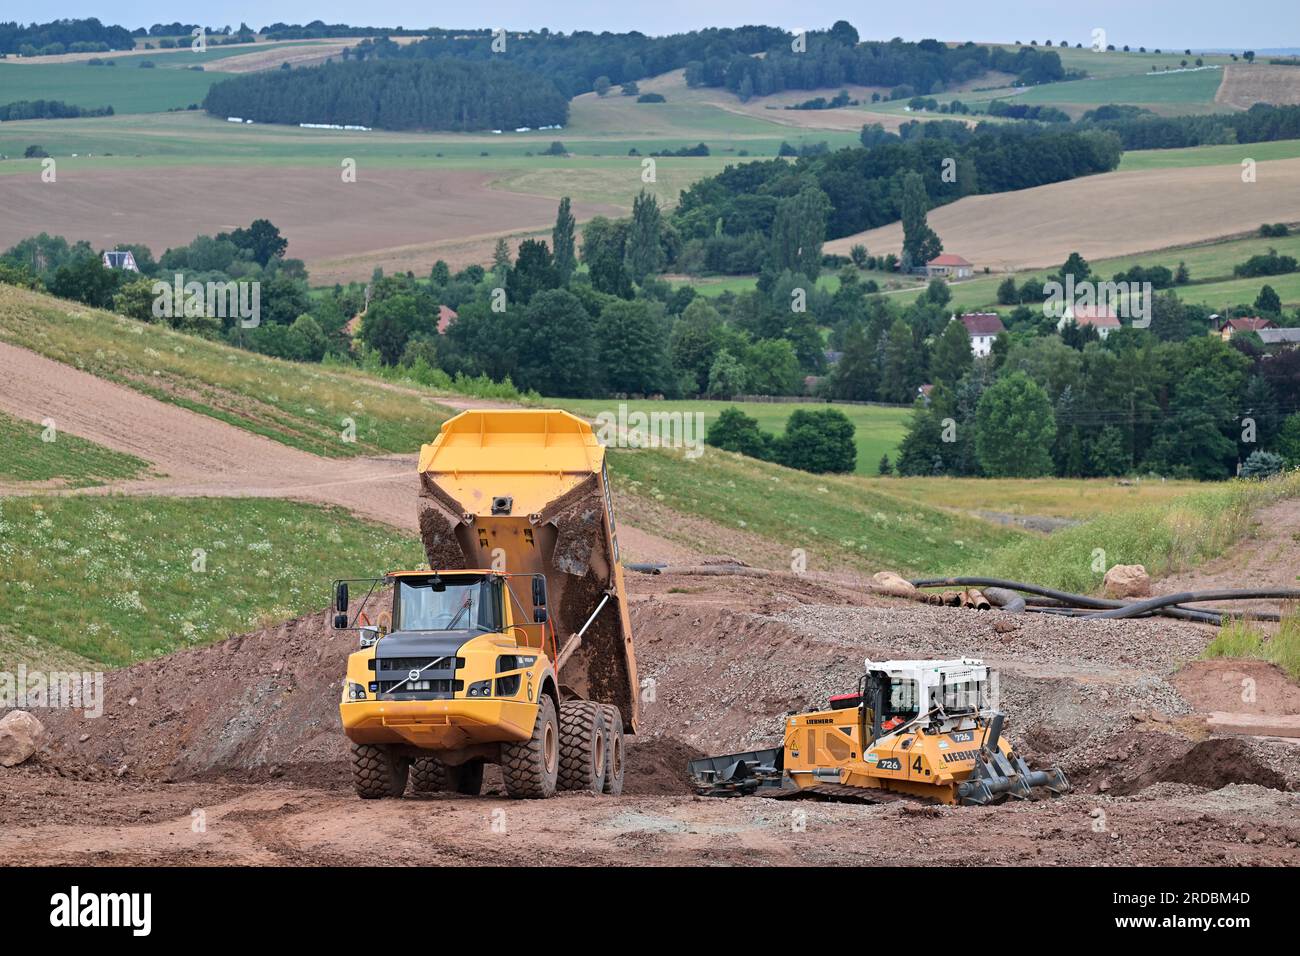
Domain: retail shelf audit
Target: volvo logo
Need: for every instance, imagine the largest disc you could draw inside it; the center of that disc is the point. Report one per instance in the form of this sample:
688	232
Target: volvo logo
413	675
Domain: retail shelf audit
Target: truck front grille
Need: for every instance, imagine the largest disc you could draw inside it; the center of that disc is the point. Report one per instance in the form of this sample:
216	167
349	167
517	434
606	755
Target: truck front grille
405	690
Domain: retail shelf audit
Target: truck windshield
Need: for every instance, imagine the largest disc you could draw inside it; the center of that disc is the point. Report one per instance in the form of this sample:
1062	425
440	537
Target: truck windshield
462	605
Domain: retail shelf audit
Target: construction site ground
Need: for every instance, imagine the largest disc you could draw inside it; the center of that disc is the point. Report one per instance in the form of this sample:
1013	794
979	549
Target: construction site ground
231	753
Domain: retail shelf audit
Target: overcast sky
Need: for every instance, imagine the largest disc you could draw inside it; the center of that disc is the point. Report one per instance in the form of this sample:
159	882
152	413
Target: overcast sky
1170	24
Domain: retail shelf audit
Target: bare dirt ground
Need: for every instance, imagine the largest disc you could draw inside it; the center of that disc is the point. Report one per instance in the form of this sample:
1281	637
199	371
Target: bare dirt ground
340	230
1246	84
1158	209
1269	558
232	753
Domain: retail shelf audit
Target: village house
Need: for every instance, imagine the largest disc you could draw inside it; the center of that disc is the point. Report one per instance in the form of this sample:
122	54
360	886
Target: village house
120	260
1229	327
1276	338
1101	318
949	266
983	328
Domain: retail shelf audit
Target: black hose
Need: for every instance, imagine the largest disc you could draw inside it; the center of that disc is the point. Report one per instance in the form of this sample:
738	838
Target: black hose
1163	606
1009	601
1197	597
1078	600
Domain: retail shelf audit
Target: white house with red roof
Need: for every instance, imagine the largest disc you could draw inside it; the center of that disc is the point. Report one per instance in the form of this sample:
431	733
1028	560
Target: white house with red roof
1100	317
949	266
983	328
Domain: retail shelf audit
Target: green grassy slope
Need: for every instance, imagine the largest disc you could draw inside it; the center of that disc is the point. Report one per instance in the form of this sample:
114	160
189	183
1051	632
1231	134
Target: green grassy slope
877	429
35	453
132	560
839	522
300	405
125	87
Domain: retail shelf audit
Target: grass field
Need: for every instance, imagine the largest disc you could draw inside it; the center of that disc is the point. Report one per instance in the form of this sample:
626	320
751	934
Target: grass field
1075	498
137	592
1231	155
60	458
1164	537
125	87
300	405
837	521
877	429
1168	93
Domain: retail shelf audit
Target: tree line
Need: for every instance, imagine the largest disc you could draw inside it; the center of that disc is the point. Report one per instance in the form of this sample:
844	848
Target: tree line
444	94
727	223
48	109
1137	129
836	57
63	36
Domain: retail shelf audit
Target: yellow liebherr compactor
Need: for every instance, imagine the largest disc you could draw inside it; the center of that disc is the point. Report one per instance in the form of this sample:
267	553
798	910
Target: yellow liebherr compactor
516	648
922	729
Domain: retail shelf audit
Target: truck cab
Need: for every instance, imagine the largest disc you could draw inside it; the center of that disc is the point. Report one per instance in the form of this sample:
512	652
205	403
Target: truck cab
453	661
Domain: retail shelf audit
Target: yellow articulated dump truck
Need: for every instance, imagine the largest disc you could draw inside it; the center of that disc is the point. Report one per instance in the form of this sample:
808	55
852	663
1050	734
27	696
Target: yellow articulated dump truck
515	648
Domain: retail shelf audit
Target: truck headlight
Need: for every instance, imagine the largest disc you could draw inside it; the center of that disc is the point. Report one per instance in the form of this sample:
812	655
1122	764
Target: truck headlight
480	688
356	691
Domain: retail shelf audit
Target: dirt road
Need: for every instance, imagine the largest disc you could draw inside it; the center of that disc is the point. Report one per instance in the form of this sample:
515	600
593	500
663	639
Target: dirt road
200	456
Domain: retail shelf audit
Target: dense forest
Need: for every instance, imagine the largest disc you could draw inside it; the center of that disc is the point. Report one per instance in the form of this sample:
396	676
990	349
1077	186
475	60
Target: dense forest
444	94
575	61
728	58
837	57
63	36
48	109
1139	129
724	222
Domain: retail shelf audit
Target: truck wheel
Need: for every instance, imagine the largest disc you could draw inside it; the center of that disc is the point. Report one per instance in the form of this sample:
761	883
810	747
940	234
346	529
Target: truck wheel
431	775
530	768
378	772
582	746
613	751
428	775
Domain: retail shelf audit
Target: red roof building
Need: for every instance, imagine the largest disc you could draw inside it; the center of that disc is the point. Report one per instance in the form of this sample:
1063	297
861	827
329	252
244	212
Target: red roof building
950	265
1230	327
983	328
446	316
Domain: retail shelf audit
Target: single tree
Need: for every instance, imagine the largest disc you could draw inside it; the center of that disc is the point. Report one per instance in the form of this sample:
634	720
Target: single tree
1015	429
562	241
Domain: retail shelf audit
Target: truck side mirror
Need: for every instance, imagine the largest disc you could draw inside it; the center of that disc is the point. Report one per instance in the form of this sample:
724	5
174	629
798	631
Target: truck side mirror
341	597
340	622
539	591
539	615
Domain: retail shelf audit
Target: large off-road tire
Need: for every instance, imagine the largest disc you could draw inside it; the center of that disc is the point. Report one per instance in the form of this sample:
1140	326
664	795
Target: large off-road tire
530	768
378	772
613	751
582	746
431	775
